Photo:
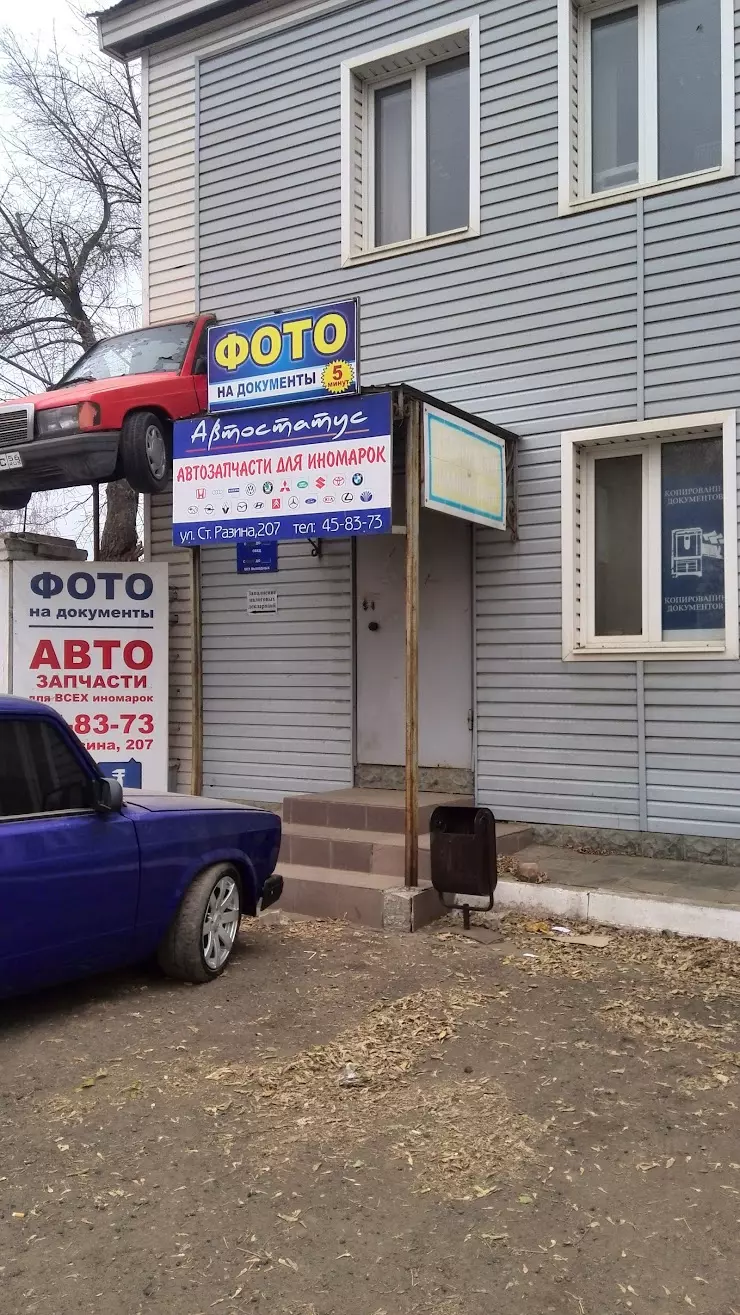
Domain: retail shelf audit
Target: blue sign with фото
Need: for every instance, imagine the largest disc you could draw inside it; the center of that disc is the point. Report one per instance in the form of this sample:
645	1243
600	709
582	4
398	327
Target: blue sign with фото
256	558
300	356
693	540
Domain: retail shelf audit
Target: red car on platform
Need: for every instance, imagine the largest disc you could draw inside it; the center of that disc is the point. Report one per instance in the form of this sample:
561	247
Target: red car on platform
109	417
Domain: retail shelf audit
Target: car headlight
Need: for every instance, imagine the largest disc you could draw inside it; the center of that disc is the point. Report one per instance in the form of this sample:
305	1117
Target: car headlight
67	419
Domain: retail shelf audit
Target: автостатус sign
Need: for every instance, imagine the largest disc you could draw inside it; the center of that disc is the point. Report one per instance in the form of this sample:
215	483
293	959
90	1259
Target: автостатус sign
318	470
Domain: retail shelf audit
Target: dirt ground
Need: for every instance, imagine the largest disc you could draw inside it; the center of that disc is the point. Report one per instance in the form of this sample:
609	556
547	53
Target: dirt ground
355	1123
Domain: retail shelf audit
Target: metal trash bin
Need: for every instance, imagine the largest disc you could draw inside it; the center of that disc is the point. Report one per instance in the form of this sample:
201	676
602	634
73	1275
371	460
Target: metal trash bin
463	857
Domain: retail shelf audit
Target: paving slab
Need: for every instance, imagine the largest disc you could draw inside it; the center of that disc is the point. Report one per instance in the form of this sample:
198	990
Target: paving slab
695	882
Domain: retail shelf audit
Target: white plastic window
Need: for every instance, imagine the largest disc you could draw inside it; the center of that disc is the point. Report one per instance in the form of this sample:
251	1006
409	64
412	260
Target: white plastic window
411	149
646	95
650	541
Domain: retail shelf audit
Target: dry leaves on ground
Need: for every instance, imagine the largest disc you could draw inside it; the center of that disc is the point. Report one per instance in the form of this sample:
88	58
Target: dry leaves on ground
454	1136
708	970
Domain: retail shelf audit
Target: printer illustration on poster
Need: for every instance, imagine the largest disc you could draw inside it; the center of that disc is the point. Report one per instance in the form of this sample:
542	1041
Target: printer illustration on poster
692	550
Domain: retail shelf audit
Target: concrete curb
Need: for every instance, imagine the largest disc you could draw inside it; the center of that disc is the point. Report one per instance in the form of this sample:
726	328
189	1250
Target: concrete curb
638	912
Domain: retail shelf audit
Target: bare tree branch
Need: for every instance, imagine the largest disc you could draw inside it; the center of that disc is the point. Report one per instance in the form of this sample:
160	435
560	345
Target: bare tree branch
70	199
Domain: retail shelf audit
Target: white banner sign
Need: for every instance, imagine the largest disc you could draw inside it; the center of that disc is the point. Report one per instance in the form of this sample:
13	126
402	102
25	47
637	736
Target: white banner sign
307	471
90	639
464	469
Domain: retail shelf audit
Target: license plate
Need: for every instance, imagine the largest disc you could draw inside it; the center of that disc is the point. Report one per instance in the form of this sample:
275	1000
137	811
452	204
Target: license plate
10	461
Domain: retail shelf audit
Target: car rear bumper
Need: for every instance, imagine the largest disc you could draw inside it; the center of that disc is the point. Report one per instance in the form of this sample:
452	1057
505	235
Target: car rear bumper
271	891
60	463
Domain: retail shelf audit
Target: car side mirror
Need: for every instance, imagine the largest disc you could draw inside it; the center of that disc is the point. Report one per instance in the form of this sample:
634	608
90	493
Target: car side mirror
108	796
200	365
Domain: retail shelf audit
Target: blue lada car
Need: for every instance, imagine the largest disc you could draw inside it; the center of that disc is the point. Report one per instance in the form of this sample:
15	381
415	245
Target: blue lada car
92	880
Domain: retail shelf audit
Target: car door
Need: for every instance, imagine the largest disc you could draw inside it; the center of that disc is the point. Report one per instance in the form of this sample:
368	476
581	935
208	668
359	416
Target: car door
69	875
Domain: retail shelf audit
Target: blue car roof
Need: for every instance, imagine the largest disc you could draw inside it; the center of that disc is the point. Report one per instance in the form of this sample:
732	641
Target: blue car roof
9	703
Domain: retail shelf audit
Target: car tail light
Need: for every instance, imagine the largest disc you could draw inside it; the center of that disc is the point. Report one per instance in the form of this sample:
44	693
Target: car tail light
89	415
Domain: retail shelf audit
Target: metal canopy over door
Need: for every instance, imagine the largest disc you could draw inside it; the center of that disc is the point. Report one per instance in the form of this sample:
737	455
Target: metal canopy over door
445	646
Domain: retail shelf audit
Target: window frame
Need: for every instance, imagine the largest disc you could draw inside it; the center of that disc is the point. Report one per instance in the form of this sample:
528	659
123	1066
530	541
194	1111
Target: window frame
418	144
574	124
361	249
83	764
580	450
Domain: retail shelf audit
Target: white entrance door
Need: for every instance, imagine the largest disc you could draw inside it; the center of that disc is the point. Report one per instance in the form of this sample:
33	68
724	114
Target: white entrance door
445	645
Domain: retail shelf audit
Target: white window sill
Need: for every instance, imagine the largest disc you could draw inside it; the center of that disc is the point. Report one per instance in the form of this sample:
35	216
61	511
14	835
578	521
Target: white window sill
654	653
618	195
414	244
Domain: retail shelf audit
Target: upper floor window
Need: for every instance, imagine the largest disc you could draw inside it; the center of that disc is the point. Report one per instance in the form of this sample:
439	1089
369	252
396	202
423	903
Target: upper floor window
410	132
647	96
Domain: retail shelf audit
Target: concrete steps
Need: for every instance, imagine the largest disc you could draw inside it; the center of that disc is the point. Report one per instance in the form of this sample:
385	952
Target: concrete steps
342	852
362	810
380	853
355	897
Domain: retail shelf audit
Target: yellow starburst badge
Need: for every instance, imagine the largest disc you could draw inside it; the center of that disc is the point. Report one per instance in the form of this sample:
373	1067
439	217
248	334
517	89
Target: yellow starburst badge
338	377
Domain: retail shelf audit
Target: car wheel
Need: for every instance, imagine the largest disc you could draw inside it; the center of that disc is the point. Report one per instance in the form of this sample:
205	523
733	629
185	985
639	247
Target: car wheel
145	452
14	501
199	942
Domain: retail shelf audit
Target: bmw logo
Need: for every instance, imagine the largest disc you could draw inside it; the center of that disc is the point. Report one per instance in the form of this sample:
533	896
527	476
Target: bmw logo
357	479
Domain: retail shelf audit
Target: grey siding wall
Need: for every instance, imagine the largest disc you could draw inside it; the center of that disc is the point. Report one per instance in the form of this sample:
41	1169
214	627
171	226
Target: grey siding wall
277	688
692	349
541	324
170	284
533	325
181	640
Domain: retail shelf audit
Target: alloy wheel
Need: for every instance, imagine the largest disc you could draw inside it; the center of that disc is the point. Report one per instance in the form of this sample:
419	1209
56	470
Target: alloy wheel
221	923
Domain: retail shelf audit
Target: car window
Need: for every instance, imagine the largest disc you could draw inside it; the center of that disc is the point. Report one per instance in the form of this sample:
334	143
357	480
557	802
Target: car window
39	773
159	348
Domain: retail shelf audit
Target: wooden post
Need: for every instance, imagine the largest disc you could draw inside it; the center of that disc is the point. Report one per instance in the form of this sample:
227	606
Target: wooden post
196	676
96	522
413	494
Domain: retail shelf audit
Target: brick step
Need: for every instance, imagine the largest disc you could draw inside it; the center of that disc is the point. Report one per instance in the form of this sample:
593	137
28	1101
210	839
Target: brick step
355	897
377	853
363	810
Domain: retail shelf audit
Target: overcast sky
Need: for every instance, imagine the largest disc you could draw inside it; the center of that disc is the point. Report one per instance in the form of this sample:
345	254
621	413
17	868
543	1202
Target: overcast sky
37	16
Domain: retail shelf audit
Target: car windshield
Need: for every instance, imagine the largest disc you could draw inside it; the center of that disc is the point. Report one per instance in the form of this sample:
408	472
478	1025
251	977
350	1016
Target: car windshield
161	347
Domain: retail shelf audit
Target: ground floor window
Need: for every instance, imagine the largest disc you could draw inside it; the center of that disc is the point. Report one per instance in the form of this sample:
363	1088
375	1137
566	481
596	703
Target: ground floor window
650	538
